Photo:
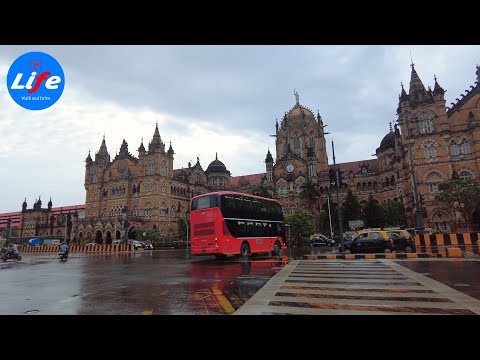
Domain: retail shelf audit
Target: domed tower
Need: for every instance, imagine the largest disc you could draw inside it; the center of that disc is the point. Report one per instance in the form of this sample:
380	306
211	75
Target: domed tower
386	151
217	175
300	130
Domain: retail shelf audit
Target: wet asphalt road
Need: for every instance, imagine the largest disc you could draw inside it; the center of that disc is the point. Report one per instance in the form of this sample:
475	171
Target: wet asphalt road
167	282
151	282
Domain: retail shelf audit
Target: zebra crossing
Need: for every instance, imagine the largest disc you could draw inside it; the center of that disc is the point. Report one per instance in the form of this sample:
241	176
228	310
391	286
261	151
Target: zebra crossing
310	287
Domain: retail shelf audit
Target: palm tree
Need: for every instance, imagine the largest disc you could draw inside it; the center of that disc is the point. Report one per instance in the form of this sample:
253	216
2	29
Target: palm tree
310	193
263	190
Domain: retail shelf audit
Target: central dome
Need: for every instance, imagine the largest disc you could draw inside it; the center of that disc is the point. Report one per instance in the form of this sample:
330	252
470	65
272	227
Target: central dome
297	113
216	166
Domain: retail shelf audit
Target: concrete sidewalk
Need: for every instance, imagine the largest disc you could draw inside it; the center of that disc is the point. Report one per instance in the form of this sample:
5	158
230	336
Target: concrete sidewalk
366	287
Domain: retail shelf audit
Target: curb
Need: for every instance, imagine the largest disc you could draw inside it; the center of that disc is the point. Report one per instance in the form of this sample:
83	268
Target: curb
372	256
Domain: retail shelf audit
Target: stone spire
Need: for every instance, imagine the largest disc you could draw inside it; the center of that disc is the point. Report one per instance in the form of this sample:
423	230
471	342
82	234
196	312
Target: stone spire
437	89
416	85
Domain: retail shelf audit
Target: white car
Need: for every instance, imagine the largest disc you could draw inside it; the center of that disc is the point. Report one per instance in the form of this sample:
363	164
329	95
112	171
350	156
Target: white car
91	244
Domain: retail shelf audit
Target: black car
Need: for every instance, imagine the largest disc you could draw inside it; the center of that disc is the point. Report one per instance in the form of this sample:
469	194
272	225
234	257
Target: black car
402	243
369	241
319	239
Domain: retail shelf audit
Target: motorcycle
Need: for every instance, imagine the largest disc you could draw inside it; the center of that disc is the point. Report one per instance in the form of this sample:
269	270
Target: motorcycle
63	256
12	255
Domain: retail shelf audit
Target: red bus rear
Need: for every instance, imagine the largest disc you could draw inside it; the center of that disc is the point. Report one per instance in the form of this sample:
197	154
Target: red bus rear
231	223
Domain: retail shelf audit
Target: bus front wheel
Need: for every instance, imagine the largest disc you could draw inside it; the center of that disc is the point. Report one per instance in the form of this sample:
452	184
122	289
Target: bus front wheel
244	250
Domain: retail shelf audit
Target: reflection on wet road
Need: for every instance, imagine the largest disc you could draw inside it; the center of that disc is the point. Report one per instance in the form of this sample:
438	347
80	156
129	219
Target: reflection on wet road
149	283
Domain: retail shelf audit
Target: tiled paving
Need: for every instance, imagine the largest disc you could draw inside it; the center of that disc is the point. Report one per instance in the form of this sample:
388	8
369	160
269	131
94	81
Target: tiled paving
366	287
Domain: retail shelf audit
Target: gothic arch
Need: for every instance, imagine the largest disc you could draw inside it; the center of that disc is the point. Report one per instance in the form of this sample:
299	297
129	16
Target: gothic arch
441	220
431	174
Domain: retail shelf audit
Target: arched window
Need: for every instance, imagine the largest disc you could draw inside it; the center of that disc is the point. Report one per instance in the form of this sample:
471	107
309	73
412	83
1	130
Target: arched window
104	212
465	147
136	210
433	179
173	212
93	176
163	209
429	151
149	167
465	175
163	168
148	210
454	148
296	145
311	141
425	123
164	188
440	221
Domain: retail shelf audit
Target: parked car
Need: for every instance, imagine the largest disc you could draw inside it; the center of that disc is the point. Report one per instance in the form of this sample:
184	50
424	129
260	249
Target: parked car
135	243
148	247
370	241
320	239
402	240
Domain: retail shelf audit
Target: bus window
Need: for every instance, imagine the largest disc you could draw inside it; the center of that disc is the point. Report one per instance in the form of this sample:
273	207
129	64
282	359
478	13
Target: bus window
204	202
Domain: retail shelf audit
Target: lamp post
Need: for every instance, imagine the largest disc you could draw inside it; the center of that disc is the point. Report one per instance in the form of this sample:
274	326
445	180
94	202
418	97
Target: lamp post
417	198
9	222
125	218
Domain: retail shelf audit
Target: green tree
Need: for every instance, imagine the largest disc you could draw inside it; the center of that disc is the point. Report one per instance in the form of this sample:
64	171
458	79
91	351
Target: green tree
301	223
462	194
310	193
352	210
395	214
150	235
374	213
264	190
182	229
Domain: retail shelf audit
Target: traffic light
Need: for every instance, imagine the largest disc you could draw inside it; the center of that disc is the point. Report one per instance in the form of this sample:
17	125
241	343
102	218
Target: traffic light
333	178
340	178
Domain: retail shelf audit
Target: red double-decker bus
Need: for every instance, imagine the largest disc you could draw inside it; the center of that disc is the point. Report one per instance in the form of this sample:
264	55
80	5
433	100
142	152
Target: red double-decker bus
231	223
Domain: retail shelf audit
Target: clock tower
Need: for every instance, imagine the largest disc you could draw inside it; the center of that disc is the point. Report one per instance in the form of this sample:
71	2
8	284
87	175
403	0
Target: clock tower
300	154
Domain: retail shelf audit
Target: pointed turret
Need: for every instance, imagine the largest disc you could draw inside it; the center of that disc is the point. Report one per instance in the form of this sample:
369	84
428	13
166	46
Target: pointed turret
417	90
437	89
170	149
50	204
276	124
123	148
156	143
88	160
24	205
102	152
478	74
39	203
141	148
269	158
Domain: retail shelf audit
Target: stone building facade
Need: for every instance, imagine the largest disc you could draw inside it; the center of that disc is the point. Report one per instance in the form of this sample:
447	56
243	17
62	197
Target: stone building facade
428	143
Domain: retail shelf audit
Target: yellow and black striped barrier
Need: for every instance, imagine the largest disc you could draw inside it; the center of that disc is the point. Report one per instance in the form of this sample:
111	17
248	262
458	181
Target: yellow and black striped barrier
441	243
78	248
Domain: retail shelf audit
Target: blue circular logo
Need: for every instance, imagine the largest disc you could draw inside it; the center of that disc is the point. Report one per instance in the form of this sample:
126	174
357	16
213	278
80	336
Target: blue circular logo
35	81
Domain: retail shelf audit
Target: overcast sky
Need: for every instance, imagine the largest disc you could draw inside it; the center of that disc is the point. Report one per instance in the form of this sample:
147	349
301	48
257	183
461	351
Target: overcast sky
206	99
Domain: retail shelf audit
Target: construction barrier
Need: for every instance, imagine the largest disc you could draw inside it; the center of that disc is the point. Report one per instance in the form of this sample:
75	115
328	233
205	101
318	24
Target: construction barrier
439	243
78	248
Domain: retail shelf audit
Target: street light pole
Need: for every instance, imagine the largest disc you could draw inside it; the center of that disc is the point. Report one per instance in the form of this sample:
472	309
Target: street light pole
329	214
416	196
9	230
125	213
339	209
